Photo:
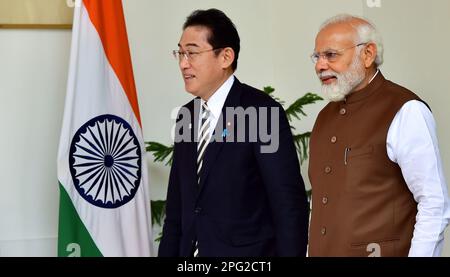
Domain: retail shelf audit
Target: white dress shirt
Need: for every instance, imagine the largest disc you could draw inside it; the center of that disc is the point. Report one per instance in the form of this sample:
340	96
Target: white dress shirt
412	144
215	104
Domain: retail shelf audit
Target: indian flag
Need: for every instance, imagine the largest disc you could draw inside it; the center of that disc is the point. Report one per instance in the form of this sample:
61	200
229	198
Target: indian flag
102	170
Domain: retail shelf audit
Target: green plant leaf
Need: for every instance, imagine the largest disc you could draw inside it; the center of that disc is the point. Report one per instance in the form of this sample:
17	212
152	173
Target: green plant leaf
158	211
309	198
159	237
160	151
296	108
301	142
269	91
158	208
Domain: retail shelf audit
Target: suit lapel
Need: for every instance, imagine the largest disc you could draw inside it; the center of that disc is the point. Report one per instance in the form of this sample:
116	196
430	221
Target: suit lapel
213	150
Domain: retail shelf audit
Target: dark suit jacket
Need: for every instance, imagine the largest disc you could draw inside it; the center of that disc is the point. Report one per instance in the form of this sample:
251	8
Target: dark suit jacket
248	203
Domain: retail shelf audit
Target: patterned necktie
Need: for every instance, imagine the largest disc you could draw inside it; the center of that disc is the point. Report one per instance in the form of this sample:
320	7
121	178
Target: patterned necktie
204	138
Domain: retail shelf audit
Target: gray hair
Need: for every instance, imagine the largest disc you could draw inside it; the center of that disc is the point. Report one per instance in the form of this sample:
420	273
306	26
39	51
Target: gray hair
367	32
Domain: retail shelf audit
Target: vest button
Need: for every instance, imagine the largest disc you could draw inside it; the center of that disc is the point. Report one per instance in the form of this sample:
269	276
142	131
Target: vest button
333	139
323	231
328	170
197	210
325	200
343	111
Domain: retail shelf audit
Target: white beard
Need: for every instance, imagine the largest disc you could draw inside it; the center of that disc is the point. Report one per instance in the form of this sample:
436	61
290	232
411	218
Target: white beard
345	82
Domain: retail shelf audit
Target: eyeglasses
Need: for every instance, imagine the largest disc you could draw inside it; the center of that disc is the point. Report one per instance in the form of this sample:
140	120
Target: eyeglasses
190	55
332	55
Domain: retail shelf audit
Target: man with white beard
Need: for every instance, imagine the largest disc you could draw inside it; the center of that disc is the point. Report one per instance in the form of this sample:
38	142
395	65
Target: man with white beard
375	168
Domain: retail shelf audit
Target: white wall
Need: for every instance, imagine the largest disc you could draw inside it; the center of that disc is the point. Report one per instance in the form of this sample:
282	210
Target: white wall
277	38
33	70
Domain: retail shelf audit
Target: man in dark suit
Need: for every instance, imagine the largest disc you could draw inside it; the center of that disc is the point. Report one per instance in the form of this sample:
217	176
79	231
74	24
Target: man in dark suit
231	192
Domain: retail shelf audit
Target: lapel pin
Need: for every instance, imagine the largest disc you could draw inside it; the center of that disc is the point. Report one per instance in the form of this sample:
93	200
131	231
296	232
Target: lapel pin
225	133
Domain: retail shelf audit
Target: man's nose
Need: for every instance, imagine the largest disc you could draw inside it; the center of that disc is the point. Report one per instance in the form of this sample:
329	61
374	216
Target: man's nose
184	63
321	64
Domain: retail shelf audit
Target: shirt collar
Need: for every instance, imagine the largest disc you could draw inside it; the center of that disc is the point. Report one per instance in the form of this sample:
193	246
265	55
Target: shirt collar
376	73
217	100
366	92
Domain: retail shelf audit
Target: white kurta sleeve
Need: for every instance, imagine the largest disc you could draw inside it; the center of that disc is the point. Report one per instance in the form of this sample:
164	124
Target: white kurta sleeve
412	144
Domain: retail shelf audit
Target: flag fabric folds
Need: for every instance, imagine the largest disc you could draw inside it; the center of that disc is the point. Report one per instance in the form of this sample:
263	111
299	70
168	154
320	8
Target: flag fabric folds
102	169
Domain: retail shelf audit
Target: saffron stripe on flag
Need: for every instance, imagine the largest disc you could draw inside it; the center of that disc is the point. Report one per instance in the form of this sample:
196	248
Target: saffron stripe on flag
111	27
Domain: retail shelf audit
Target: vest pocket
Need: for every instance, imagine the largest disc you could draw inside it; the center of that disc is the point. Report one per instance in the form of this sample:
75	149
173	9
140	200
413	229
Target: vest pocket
377	248
360	151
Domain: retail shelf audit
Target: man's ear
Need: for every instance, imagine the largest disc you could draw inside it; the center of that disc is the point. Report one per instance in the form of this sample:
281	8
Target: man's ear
369	54
227	57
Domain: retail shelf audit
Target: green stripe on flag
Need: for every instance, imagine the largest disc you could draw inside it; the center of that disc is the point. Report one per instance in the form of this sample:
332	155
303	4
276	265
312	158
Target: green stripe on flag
73	238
